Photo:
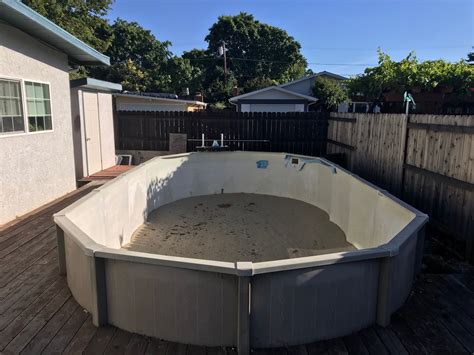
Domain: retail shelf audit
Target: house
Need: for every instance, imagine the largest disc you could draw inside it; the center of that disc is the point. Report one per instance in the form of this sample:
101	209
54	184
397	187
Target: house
156	102
295	96
93	125
36	135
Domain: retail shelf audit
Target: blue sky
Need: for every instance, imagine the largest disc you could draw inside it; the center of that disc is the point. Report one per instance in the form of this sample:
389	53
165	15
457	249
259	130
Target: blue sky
339	35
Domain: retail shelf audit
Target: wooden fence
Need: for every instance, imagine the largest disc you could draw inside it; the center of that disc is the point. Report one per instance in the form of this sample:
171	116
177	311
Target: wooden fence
301	133
427	160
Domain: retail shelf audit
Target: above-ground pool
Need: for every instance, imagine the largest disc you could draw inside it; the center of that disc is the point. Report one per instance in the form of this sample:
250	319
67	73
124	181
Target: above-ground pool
243	249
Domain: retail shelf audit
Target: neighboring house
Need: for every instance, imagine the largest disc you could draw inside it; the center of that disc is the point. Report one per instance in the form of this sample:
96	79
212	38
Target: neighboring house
36	137
295	96
143	102
93	125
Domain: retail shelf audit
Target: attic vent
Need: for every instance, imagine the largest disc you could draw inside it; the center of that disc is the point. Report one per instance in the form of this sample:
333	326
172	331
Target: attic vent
295	161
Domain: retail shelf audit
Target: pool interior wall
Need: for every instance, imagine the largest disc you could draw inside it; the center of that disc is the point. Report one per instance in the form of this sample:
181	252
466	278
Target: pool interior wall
367	217
243	304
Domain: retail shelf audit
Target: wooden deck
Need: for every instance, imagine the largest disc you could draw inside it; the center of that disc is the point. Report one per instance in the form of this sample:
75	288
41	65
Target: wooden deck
107	174
39	315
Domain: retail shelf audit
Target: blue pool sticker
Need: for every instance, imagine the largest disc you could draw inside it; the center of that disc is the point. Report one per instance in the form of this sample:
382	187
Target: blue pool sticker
262	164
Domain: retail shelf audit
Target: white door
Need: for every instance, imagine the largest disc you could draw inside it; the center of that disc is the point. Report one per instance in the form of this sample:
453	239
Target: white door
92	132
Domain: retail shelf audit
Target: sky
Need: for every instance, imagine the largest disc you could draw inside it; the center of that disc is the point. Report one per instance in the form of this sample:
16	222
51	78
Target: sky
341	36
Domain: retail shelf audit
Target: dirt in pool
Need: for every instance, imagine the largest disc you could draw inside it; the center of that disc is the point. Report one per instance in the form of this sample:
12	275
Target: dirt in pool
239	227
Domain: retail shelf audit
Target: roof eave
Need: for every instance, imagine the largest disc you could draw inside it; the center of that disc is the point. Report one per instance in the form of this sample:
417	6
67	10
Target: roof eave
21	16
95	84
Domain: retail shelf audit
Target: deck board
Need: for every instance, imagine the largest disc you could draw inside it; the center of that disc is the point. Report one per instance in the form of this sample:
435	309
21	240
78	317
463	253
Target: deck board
39	315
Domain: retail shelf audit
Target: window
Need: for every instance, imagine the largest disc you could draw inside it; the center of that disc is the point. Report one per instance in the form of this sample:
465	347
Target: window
11	112
38	104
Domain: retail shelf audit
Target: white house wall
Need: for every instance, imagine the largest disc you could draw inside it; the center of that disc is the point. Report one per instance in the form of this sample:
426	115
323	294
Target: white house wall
35	168
274	107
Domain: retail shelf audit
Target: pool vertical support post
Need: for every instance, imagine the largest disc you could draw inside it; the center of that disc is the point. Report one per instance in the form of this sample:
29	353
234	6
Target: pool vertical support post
61	250
384	309
244	274
99	292
420	246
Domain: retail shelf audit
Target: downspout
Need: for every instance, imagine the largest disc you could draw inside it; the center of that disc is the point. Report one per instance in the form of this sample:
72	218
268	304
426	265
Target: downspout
235	104
312	103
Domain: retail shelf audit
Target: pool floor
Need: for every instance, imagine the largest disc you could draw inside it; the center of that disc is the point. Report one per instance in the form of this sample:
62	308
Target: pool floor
239	227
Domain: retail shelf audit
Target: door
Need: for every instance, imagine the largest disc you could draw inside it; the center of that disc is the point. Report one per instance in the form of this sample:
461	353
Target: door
92	132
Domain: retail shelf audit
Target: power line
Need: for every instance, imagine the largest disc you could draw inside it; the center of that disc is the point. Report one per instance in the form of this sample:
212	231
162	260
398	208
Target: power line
304	48
414	48
282	62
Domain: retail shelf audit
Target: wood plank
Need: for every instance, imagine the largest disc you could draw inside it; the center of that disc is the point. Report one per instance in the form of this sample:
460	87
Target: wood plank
58	292
119	342
390	340
372	342
156	347
63	337
442	127
82	337
137	345
99	342
51	328
355	345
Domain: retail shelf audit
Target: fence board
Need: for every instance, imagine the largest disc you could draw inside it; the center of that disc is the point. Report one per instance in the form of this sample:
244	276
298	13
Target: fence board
428	160
301	133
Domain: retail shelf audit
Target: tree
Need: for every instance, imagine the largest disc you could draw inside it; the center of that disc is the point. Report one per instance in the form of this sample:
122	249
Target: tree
134	49
256	49
84	19
409	74
258	54
329	93
470	58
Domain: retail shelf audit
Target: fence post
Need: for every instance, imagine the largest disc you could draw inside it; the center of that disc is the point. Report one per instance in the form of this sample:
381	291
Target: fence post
404	156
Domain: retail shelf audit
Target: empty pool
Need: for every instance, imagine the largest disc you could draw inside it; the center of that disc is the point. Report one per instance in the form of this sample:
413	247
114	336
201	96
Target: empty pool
243	249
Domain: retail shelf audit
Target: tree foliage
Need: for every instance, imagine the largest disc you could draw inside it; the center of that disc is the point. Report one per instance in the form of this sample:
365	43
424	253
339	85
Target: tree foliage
84	19
257	52
470	58
409	74
258	55
329	93
132	50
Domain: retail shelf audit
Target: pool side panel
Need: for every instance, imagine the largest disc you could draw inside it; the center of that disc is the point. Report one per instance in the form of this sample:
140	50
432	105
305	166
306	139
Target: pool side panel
175	304
81	276
306	305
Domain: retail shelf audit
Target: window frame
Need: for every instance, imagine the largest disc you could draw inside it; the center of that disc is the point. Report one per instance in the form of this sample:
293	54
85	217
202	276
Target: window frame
25	107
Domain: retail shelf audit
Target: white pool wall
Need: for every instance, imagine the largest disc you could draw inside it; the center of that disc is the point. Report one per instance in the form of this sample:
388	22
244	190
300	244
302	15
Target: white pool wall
367	217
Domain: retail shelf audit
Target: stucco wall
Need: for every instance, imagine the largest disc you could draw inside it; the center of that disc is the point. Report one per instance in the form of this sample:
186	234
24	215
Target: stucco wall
35	168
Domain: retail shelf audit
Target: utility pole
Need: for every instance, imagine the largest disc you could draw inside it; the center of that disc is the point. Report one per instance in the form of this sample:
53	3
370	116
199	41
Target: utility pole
222	51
